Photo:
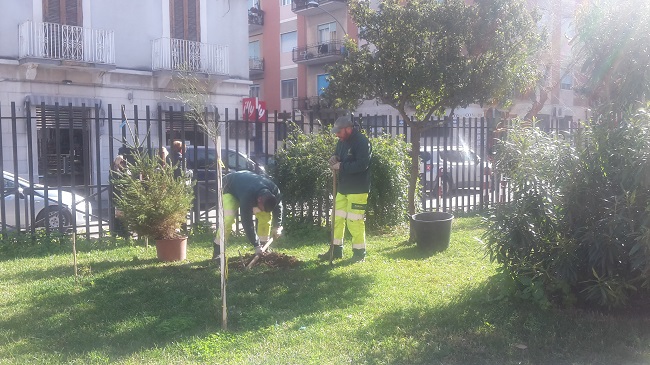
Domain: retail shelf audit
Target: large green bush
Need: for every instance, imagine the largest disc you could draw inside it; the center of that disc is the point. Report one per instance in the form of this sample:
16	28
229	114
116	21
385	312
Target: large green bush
305	180
577	227
389	169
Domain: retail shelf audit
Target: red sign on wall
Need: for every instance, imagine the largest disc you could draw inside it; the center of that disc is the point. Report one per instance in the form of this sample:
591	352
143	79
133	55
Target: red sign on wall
250	105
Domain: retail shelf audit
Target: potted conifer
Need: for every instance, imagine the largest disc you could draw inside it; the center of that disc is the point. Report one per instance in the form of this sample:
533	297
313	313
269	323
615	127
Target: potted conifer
154	203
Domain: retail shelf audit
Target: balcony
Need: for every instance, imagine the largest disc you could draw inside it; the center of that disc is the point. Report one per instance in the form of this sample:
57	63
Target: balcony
302	7
320	53
255	19
255	67
61	44
311	103
170	54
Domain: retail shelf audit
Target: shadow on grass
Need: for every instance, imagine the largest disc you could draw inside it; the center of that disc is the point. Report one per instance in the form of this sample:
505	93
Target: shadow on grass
473	329
406	250
146	305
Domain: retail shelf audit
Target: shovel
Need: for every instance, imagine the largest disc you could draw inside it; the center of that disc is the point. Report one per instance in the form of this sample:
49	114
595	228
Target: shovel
257	256
333	215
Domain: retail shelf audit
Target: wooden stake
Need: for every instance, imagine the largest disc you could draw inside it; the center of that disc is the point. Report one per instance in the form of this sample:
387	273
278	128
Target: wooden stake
74	254
221	238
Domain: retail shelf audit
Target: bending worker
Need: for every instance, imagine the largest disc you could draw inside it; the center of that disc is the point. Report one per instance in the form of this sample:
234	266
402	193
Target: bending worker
352	162
255	195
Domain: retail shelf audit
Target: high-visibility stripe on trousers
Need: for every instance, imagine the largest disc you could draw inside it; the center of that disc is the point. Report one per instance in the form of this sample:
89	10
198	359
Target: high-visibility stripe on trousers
230	208
350	212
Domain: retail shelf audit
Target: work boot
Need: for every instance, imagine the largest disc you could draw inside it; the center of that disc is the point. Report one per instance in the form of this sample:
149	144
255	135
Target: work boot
336	254
358	254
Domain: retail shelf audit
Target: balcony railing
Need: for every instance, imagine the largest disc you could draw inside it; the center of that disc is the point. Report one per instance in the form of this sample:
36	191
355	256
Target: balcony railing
61	42
255	18
310	103
303	7
173	54
255	67
319	52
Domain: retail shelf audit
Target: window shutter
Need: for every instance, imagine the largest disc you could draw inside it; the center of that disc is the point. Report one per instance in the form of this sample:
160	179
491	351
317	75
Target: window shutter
72	12
193	20
52	11
62	12
185	20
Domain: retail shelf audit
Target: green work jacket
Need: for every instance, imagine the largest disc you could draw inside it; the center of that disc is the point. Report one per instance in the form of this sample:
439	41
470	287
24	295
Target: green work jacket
354	172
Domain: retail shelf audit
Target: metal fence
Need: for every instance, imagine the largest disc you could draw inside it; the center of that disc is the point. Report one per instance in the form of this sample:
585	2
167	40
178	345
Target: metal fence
65	153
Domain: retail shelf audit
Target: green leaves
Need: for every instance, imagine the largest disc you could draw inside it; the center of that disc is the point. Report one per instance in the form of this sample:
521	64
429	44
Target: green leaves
579	216
153	202
304	177
613	42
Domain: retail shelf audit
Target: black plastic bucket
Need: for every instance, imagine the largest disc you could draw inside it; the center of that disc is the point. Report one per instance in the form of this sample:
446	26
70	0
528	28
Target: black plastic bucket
432	230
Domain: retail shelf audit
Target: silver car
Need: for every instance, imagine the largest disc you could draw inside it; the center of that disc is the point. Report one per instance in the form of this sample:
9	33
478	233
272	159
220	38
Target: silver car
450	168
16	205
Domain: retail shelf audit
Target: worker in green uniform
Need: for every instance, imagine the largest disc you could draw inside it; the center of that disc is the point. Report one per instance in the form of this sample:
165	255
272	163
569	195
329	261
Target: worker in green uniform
251	194
352	162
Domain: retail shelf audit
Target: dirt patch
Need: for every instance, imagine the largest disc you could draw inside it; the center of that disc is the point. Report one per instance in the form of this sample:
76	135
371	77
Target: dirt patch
270	259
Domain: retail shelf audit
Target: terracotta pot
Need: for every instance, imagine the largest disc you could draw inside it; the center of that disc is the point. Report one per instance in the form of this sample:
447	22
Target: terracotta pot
174	249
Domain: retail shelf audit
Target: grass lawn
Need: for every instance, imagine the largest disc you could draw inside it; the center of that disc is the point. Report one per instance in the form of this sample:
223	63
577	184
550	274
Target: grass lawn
398	307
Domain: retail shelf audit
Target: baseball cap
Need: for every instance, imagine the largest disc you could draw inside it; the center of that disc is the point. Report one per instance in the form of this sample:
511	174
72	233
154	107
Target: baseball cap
342	122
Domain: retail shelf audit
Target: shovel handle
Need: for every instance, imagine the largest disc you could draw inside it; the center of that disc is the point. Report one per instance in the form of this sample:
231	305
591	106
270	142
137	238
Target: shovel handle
333	214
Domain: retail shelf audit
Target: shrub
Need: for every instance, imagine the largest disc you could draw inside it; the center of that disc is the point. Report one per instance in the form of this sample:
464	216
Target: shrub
389	169
305	180
302	173
154	202
577	224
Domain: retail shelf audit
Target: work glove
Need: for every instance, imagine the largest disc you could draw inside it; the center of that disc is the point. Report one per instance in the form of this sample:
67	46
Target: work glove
335	166
277	233
258	250
333	160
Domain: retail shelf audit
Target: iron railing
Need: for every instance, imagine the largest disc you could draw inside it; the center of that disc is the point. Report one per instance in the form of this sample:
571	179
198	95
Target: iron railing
66	43
30	141
328	49
173	54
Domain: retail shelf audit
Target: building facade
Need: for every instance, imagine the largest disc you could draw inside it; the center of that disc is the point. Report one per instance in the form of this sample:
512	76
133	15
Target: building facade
291	42
75	58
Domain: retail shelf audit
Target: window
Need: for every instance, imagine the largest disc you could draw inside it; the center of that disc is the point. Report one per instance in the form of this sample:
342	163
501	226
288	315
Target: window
254	91
326	32
288	41
254	49
567	82
185	20
321	83
62	12
285	2
289	88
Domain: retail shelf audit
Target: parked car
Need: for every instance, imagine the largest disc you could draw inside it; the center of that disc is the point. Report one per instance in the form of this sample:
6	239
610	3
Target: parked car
202	161
451	168
265	161
58	213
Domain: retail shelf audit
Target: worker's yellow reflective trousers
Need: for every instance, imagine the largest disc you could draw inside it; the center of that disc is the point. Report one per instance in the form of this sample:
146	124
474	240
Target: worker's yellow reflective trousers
230	208
351	212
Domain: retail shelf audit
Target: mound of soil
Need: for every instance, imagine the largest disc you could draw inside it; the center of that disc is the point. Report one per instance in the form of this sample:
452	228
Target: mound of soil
270	259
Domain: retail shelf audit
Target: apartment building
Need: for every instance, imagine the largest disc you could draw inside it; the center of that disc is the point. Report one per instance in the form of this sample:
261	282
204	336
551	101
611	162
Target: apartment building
291	42
89	54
